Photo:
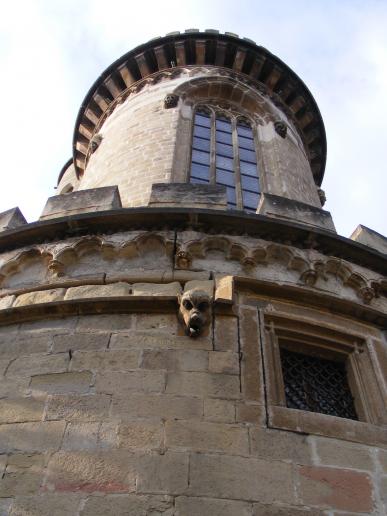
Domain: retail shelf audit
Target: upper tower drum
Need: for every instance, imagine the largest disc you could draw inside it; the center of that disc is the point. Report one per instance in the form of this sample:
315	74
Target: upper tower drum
200	107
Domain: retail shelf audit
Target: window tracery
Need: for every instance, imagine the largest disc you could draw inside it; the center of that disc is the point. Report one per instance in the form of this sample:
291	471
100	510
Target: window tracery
224	153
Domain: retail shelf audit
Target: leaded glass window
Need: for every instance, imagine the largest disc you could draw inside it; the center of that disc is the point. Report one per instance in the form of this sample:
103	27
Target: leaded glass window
223	152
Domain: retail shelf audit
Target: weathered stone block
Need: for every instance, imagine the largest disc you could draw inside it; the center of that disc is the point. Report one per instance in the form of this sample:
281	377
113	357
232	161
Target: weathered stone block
288	209
334	488
93	407
46	504
203	385
188	195
226	333
206	286
128	505
203	436
186	506
105	322
24	344
257	480
6	302
150	406
81	436
161	322
224	288
163	473
31	437
82	201
332	452
38	364
156	289
220	411
11	219
224	362
62	383
108	472
369	237
84	341
175	360
277	445
111	360
93	291
285	510
146	340
40	296
120	383
23	475
251	413
141	435
20	410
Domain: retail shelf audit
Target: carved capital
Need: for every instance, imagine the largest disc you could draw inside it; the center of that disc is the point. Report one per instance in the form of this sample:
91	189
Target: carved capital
281	128
170	101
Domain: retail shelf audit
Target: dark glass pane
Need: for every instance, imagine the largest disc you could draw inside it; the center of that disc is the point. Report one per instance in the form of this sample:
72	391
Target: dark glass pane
201	144
200	171
250	200
201	157
224	150
250	183
226	163
223	137
231	196
225	178
245	131
203	132
202	120
247	155
223	125
199	181
246	143
249	169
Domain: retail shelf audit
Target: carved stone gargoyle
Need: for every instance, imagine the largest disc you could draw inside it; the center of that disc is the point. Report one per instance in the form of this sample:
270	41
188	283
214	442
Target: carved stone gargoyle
195	308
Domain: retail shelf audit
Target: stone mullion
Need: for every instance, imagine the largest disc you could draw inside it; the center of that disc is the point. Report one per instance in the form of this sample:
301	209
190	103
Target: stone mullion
237	169
213	149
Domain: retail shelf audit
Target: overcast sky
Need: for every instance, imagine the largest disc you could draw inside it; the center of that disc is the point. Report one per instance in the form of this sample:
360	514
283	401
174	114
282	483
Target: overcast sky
51	52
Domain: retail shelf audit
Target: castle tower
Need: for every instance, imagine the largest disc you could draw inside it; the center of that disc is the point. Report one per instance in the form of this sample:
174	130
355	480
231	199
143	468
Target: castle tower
183	332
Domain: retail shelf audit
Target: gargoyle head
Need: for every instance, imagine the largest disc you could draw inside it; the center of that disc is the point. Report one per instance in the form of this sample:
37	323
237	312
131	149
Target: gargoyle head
194	311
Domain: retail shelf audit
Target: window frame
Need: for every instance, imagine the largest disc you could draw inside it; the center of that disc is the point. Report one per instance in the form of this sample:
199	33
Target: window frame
215	112
325	342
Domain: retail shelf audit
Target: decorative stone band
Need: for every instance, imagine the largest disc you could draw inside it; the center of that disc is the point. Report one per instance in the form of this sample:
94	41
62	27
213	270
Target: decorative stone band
166	58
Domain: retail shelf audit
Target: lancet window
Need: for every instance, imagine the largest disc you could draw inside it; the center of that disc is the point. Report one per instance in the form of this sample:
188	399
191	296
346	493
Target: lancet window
224	153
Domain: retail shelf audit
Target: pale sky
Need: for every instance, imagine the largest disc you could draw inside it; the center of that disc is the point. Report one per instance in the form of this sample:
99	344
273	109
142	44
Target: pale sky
51	52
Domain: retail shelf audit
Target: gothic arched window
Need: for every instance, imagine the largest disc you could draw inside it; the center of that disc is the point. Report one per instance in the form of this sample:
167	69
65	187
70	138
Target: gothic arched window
223	152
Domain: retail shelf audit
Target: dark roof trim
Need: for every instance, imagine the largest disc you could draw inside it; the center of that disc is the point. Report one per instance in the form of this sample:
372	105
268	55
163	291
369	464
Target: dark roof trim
203	49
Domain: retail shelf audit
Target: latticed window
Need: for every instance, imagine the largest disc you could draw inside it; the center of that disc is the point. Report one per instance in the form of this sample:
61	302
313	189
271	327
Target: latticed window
223	153
316	384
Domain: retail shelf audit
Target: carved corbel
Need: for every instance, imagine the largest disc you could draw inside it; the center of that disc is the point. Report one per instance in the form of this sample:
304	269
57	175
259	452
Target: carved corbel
195	307
56	268
95	142
248	263
322	196
171	101
183	260
281	128
366	294
309	277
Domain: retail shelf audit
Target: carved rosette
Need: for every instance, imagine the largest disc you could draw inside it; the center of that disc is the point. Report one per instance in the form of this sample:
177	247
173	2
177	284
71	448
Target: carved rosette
171	101
281	128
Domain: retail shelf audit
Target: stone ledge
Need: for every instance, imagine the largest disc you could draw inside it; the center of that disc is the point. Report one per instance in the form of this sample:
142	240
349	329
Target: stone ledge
295	211
82	201
188	195
370	238
11	219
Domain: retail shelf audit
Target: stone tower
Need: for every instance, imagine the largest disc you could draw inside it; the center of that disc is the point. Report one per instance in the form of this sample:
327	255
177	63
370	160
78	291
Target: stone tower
183	333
